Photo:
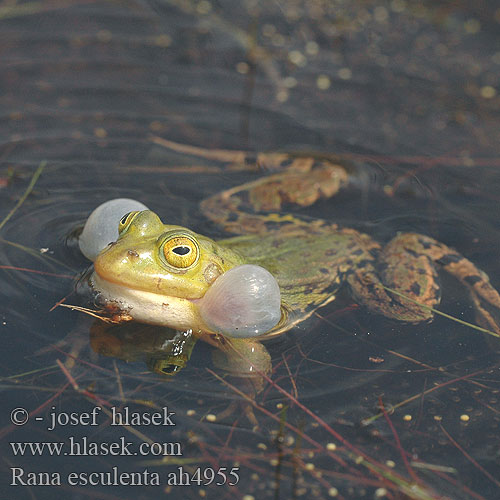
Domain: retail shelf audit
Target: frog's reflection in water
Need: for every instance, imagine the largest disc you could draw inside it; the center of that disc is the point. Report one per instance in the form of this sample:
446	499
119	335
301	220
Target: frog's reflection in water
243	363
165	351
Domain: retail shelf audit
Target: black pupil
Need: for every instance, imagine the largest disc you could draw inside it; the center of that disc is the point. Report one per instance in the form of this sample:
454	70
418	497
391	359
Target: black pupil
124	218
170	369
182	250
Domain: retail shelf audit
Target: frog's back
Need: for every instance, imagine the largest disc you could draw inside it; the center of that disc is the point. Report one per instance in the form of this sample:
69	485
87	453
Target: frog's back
308	267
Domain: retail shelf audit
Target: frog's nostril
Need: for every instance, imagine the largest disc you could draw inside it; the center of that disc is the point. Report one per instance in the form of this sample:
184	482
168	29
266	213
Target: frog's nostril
132	253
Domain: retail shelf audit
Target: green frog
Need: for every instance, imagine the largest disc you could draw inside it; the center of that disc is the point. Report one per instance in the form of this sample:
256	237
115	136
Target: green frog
159	274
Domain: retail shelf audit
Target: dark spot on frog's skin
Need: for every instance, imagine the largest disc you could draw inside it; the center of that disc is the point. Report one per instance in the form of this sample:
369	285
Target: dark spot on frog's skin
232	217
251	159
330	252
415	288
317	164
287	162
450	258
133	253
362	263
412	252
421	271
310	307
323	270
473	279
425	244
370	288
358	251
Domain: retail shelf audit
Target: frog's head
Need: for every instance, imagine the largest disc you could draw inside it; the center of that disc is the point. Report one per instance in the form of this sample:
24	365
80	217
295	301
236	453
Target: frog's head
167	260
165	274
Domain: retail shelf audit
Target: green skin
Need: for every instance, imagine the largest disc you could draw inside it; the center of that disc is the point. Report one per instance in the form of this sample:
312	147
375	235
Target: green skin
310	260
136	262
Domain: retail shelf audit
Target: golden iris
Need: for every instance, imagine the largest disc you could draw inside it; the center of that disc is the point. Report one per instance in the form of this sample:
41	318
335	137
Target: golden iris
180	251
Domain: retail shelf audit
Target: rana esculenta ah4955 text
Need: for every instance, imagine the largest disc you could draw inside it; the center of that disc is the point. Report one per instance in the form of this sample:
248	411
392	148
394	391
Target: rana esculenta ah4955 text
282	268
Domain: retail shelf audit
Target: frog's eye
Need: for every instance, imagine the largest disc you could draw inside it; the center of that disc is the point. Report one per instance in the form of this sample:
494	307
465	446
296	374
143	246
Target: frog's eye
126	220
181	251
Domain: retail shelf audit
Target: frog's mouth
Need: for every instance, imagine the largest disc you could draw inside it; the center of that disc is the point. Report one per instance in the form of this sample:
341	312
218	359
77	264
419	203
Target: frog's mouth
148	307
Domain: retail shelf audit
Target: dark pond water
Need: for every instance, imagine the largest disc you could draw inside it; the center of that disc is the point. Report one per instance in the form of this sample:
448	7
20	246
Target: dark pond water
405	94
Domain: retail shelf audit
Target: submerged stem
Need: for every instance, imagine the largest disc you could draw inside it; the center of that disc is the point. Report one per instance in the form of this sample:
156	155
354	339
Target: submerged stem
21	200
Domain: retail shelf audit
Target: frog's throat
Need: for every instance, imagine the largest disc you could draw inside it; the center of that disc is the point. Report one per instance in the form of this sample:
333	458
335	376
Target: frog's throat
148	307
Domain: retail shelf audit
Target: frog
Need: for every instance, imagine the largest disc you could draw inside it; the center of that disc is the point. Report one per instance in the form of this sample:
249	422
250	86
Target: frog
158	273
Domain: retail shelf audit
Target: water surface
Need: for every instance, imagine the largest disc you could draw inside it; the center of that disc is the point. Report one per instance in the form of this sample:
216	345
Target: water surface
405	96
